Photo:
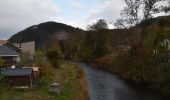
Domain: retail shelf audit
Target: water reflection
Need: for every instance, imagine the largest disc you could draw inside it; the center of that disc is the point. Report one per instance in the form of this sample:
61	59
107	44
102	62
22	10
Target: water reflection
106	86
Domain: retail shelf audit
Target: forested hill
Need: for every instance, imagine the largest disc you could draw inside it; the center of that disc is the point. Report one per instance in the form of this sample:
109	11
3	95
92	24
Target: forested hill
48	31
42	32
161	21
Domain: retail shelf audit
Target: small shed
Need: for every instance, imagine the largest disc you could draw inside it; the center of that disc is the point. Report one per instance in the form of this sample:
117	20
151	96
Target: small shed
35	75
35	71
19	77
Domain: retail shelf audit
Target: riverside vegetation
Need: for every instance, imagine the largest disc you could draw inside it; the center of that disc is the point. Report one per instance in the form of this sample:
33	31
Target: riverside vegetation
146	62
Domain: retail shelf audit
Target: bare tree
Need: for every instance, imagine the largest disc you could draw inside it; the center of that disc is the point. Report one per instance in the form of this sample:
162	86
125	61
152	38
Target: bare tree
130	14
132	10
120	23
139	10
150	7
166	9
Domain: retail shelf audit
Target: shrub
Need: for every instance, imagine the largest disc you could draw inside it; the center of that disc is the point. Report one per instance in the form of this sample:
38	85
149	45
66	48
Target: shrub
1	62
53	56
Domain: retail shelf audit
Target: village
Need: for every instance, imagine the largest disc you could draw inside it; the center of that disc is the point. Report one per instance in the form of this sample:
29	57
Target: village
25	80
85	50
18	76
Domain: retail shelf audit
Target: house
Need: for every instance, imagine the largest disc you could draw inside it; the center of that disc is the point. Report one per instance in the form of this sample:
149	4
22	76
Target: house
3	42
18	77
9	55
26	48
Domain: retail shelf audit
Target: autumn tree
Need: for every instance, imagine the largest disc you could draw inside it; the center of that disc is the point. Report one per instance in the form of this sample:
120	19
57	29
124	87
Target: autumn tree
73	47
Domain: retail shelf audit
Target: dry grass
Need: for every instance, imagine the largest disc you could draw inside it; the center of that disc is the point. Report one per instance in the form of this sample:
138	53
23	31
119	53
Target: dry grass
83	93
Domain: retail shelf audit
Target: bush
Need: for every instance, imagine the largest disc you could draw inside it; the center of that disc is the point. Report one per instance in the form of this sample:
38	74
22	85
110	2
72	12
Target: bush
1	79
1	62
53	56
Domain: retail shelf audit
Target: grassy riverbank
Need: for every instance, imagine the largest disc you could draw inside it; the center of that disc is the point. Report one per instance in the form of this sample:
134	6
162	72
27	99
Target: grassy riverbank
68	75
156	78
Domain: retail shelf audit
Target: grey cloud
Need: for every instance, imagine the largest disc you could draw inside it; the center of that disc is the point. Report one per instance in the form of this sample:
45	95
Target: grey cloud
18	14
108	9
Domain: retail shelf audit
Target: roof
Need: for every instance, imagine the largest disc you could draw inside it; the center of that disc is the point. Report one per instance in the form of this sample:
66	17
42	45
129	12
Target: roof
7	51
35	69
18	72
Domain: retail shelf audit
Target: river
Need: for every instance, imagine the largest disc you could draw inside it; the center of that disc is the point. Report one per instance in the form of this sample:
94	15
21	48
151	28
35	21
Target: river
106	86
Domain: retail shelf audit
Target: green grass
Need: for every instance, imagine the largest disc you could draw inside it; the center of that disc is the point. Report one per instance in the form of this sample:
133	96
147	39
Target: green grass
66	75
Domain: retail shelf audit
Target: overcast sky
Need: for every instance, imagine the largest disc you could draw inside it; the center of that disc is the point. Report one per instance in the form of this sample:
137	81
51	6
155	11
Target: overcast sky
16	15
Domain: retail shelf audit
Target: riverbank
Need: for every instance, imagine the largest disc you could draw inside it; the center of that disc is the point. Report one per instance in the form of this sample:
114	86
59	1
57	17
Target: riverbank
67	74
104	85
132	75
83	93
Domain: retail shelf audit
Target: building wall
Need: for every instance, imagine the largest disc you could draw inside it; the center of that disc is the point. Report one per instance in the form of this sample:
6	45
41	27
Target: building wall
17	58
16	81
10	60
3	42
28	47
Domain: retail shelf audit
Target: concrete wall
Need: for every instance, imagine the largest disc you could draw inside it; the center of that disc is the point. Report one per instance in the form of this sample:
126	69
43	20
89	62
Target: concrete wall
28	47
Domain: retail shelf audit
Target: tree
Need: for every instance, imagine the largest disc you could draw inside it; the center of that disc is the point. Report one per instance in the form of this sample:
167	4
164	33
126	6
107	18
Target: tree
139	10
99	25
38	57
73	47
120	23
97	39
130	14
150	8
25	59
166	9
53	55
41	62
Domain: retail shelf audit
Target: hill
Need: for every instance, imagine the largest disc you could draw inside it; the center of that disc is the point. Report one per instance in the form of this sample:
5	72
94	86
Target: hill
52	30
42	32
161	21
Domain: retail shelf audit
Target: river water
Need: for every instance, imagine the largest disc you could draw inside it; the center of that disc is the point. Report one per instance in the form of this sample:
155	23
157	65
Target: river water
106	86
